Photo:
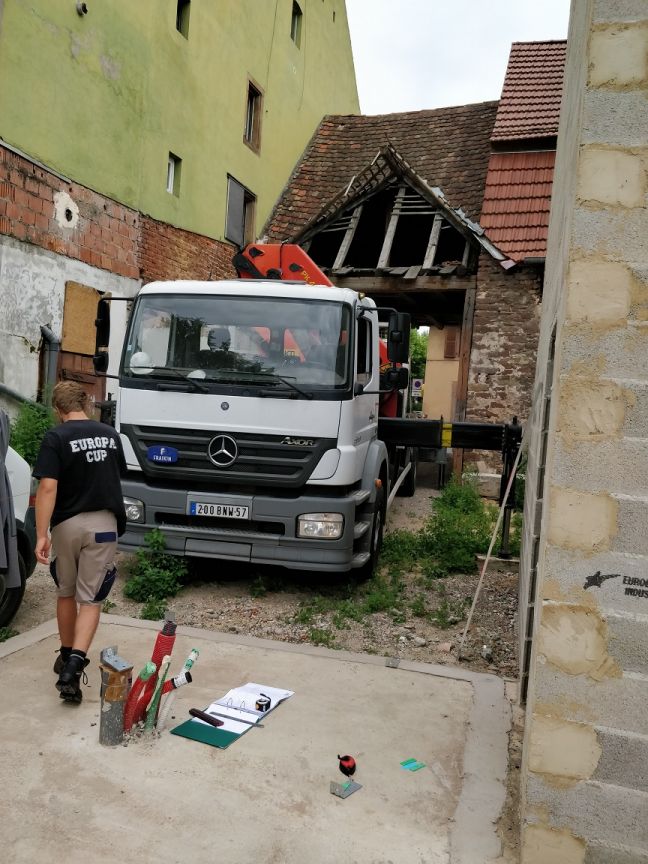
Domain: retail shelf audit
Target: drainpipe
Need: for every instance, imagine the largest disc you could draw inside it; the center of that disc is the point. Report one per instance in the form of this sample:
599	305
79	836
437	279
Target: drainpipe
53	346
13	394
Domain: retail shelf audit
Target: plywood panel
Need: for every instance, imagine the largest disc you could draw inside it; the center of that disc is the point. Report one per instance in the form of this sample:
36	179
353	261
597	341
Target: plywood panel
79	314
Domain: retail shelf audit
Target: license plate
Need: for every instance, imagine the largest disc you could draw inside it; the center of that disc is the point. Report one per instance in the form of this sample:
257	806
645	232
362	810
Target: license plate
223	511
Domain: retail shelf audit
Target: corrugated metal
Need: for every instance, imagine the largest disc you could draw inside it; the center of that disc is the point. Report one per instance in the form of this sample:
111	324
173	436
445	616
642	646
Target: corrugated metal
515	214
530	103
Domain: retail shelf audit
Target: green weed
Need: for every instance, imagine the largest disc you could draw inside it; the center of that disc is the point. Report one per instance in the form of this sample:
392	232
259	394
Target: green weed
154	610
155	574
447	614
258	588
108	605
321	637
28	429
7	633
418	606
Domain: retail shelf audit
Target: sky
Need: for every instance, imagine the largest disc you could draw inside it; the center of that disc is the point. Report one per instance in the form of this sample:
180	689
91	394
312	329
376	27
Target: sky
416	54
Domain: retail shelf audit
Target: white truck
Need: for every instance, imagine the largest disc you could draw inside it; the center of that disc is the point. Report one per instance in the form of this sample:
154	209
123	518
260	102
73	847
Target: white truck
248	410
20	482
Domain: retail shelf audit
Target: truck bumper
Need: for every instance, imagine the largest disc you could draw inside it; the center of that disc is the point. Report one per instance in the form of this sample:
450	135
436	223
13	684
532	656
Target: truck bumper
267	537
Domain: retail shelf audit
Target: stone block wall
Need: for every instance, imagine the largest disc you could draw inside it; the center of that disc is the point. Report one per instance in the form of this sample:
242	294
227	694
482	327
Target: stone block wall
506	326
584	604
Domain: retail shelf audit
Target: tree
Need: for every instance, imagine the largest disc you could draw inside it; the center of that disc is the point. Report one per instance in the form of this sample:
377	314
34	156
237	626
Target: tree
418	352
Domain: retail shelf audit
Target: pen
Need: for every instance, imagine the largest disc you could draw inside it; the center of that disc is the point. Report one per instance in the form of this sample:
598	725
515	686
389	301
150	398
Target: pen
207	718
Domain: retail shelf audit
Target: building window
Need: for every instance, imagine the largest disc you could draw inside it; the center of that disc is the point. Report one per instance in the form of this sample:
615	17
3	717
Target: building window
182	17
252	131
173	174
239	226
296	24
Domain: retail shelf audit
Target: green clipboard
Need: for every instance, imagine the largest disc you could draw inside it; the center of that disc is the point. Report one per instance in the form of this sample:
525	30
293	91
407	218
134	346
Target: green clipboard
197	731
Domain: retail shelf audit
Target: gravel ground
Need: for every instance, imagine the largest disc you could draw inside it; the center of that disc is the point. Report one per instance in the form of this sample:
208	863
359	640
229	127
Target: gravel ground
219	596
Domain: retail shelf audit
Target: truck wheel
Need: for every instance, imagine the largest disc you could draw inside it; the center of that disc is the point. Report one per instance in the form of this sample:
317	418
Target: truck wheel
11	598
376	538
408	486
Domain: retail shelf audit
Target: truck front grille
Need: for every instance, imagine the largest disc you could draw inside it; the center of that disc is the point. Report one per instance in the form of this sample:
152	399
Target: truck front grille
262	460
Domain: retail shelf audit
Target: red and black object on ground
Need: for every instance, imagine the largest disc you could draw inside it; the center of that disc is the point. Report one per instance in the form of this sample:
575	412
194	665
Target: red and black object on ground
347	765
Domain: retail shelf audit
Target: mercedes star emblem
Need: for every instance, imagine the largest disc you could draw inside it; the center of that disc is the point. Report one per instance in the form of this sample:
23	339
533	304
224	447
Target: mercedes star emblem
222	451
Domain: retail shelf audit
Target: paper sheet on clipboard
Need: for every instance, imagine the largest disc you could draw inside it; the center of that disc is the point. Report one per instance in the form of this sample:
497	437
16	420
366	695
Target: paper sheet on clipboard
232	709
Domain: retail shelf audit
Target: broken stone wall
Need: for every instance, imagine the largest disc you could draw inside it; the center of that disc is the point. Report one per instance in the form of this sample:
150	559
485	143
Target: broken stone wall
584	571
503	354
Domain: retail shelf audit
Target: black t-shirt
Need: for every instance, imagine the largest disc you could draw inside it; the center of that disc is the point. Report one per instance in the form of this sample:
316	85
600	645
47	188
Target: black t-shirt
86	458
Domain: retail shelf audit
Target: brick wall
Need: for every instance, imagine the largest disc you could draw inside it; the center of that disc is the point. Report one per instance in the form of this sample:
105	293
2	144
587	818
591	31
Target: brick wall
38	207
167	252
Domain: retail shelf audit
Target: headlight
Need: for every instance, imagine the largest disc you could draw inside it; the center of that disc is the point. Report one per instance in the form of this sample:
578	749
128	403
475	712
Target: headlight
134	510
321	526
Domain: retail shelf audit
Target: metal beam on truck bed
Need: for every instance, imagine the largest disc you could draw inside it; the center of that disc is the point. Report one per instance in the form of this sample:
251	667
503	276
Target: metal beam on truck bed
438	433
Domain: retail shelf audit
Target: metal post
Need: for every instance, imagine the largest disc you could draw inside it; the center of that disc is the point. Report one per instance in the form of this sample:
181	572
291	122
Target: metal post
510	447
115	683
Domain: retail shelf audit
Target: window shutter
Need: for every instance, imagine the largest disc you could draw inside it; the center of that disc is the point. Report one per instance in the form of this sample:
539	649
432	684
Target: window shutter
451	349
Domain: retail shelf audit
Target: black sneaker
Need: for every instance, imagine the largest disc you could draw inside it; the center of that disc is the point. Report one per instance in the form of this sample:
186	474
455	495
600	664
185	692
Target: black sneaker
70	677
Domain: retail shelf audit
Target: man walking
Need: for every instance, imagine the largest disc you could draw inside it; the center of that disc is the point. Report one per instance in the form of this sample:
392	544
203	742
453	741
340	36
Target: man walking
79	496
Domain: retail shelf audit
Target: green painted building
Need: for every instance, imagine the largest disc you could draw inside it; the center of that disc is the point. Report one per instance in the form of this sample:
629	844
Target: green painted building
191	111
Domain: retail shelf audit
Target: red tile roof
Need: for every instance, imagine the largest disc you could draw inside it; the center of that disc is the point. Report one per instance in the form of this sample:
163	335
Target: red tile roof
530	103
515	214
448	147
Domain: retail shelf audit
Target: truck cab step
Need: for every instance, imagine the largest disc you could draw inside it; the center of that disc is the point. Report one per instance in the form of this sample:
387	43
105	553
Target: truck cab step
360	528
359	559
360	496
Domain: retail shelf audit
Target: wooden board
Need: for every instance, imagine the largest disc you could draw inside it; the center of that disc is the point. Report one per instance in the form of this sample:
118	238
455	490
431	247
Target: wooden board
79	314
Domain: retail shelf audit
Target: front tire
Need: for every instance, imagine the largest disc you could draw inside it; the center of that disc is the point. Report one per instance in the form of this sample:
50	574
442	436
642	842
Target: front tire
11	598
408	486
376	538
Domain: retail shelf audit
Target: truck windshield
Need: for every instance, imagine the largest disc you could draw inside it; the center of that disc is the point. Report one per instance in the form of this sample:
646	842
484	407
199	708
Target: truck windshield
239	340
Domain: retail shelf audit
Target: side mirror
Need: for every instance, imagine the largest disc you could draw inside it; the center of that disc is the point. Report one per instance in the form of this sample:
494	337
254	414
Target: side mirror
398	337
396	379
102	336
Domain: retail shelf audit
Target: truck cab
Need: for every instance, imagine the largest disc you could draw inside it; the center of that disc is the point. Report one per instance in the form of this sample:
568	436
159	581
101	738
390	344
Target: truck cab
248	410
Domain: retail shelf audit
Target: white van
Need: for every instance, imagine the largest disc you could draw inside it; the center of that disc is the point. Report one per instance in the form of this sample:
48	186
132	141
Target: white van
21	486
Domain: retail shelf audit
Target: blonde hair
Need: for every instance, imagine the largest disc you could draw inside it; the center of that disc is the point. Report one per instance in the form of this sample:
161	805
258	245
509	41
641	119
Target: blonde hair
69	396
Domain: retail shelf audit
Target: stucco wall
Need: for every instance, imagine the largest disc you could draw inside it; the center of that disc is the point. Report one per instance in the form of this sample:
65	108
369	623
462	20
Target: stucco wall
32	292
104	97
585	556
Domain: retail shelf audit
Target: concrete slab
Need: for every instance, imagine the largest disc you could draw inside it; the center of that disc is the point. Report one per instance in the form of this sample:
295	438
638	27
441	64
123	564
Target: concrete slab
266	798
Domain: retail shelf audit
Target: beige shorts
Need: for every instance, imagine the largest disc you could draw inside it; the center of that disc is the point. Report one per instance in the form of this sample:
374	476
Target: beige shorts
84	549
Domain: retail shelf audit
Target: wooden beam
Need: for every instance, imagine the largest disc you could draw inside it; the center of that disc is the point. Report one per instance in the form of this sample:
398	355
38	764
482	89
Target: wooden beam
464	369
395	285
430	252
383	260
348	237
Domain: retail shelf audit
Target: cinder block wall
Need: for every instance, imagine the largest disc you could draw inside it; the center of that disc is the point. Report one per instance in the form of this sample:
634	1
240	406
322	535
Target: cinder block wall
584	606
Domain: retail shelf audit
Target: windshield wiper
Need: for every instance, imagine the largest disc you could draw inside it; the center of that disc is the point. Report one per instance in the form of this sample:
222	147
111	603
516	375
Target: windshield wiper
273	378
173	373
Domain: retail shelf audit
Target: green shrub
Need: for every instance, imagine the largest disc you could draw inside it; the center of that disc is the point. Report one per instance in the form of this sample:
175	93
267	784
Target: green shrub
29	428
460	527
155	575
